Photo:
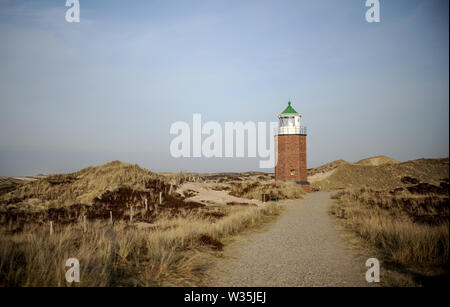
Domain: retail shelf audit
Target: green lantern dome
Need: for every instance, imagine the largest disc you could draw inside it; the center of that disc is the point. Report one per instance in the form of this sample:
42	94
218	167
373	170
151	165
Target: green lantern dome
289	109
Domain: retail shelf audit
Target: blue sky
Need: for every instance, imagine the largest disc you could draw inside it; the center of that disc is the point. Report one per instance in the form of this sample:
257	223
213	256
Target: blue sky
109	87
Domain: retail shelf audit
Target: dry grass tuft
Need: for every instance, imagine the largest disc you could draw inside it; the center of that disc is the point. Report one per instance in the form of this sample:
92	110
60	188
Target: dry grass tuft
254	189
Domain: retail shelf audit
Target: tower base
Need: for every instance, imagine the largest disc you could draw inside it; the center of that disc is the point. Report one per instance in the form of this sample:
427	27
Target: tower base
305	185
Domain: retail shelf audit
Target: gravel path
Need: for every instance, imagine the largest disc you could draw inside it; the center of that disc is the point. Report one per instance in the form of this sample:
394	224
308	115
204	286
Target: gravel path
303	247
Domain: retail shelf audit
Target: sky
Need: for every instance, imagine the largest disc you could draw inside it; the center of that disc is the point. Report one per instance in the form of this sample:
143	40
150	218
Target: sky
109	87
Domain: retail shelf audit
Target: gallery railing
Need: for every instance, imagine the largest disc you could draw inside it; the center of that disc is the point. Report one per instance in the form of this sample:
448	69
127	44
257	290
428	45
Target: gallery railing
292	130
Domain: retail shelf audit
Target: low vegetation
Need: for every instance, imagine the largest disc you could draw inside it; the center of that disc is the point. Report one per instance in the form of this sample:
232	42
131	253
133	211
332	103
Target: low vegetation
399	208
139	230
408	225
173	251
84	186
254	189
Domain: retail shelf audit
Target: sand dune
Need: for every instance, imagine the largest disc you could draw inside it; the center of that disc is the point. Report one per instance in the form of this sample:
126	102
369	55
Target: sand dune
378	172
378	160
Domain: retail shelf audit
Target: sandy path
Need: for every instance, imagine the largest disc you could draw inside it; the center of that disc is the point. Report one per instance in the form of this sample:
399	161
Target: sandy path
303	247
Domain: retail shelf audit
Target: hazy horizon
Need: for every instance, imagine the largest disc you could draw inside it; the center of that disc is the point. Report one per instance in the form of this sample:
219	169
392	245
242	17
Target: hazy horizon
109	87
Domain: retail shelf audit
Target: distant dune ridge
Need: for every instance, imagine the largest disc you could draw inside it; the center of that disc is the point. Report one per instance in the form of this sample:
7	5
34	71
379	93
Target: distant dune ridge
82	186
378	160
117	186
379	172
91	182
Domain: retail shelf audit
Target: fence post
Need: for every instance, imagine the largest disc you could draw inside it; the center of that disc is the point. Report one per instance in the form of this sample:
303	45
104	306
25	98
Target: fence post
51	227
110	217
84	223
146	205
160	198
131	214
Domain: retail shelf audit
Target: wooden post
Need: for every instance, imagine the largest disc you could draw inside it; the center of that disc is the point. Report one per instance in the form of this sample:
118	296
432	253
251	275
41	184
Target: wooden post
51	227
110	217
131	214
160	198
146	205
84	223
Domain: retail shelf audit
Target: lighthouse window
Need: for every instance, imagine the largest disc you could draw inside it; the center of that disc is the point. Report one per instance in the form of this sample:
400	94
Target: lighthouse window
291	121
292	172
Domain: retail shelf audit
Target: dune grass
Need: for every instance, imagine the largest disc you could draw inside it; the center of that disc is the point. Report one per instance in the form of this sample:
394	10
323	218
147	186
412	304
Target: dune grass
253	189
172	252
83	186
408	229
168	245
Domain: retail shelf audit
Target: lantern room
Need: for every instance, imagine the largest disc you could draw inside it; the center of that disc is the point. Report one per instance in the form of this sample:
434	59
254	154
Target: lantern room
289	121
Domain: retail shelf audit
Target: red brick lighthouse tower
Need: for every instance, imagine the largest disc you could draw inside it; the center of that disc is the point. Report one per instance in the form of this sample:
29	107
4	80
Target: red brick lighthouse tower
291	149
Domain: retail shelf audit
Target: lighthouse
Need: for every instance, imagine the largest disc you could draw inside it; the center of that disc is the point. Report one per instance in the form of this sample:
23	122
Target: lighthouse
291	149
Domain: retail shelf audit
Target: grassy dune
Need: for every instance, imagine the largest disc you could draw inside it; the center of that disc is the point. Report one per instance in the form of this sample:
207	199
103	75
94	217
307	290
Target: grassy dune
345	175
378	160
83	186
402	210
149	244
